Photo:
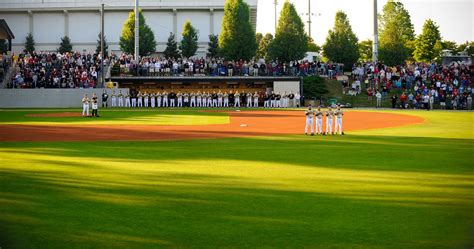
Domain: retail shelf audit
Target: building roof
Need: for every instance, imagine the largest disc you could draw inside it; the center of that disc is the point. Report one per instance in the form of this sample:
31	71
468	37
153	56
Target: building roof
5	31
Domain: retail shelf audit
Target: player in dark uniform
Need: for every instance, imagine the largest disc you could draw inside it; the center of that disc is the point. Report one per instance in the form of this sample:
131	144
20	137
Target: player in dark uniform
105	96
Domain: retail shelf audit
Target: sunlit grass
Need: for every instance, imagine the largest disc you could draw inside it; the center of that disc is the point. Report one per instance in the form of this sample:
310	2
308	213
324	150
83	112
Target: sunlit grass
441	124
115	117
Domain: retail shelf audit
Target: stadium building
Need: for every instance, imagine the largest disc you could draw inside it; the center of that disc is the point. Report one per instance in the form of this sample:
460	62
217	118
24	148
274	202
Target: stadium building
49	20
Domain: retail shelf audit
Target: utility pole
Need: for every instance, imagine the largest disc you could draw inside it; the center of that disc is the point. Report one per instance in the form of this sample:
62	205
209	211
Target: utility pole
137	39
375	52
102	55
276	2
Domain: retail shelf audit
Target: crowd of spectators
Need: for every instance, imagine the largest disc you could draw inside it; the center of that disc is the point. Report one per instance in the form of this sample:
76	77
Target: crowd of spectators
418	85
158	66
4	65
55	70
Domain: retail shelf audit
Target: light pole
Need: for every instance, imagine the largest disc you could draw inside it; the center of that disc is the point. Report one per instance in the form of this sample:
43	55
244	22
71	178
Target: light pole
102	56
309	14
309	18
137	24
275	3
375	52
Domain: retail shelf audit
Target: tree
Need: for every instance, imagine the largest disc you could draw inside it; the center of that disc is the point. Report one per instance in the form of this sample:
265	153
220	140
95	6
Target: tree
396	32
312	46
365	50
264	47
147	43
314	87
426	41
65	45
467	47
213	46
106	47
291	41
30	43
341	43
189	42
171	50
258	38
237	39
450	45
3	46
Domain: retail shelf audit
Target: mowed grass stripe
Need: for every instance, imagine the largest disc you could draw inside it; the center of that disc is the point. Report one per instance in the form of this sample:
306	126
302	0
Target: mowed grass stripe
281	192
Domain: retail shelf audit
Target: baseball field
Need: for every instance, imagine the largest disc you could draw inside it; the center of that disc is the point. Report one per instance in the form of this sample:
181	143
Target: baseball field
235	179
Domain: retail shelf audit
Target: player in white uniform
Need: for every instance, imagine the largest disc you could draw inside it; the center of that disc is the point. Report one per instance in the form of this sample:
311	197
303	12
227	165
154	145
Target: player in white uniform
180	99
338	127
204	99
255	99
146	99
85	106
153	100
226	99
158	99
237	99
219	99
309	120
249	100
120	99
165	99
199	99
192	100
114	99
329	117
140	99
319	121
127	100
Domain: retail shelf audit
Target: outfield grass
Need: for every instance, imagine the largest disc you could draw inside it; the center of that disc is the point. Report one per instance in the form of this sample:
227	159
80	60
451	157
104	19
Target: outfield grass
364	190
114	117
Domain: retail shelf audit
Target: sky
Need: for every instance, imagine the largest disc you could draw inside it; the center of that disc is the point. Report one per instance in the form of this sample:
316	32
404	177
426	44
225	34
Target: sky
455	18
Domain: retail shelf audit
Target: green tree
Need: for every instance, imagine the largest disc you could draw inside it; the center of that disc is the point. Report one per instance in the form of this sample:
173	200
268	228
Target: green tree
450	45
237	39
467	47
3	46
171	50
396	31
426	41
147	43
106	47
189	41
65	45
213	46
314	87
312	46
291	41
30	43
258	38
264	47
341	43
365	50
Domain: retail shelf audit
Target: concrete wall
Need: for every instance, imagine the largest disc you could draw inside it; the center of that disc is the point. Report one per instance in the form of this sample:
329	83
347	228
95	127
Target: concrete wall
49	20
38	98
286	86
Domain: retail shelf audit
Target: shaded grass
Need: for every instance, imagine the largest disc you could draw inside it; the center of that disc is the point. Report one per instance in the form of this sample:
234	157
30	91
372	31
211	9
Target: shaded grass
281	192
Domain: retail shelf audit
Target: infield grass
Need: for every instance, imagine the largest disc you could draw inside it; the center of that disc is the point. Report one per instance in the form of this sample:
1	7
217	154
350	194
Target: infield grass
365	190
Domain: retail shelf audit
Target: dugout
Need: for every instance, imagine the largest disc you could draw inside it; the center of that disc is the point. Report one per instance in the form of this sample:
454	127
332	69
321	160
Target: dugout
6	33
182	84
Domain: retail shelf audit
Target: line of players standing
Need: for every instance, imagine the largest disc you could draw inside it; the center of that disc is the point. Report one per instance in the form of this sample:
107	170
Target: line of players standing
330	114
204	99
